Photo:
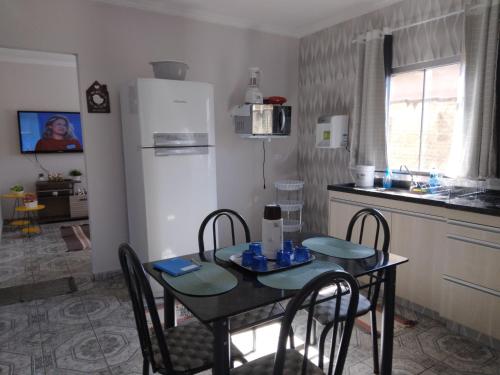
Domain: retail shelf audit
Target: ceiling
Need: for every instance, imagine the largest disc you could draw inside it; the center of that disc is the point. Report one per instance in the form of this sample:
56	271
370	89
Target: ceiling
294	18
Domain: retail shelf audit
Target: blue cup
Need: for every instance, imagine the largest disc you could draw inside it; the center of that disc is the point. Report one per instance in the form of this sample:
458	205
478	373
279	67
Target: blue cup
288	246
256	248
247	258
259	263
283	258
279	255
302	254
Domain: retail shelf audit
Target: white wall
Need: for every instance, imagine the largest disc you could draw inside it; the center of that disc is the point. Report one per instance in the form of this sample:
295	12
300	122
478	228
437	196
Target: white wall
33	87
115	44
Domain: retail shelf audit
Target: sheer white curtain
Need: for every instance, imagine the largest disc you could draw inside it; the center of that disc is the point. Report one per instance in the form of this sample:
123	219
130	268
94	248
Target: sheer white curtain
368	132
480	128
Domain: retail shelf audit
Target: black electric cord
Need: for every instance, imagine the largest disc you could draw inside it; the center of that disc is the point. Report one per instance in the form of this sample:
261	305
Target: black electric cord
264	163
40	164
36	162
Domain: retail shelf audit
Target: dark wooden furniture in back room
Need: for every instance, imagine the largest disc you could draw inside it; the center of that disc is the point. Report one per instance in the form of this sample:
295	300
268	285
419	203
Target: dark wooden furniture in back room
60	202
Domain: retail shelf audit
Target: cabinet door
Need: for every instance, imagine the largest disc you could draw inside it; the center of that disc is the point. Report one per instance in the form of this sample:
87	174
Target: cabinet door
471	305
470	276
340	214
422	240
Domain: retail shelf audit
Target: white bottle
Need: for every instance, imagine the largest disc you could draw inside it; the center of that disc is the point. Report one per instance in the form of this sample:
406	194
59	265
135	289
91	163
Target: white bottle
253	94
272	231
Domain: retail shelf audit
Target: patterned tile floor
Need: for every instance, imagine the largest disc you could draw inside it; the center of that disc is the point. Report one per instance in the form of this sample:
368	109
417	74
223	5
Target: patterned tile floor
29	260
92	332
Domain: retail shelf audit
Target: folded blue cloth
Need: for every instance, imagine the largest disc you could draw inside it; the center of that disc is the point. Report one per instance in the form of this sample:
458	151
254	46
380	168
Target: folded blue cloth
176	266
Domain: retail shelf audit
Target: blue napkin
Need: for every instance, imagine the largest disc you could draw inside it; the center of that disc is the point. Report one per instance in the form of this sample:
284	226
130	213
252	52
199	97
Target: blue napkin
176	266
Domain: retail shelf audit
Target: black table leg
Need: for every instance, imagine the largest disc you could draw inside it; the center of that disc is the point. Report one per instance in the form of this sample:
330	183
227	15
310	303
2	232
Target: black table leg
169	309
222	348
388	320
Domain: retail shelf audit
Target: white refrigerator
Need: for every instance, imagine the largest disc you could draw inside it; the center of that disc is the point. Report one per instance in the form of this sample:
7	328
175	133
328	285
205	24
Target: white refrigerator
169	152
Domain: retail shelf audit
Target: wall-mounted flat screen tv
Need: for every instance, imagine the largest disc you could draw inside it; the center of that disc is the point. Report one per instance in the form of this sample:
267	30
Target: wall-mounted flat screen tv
44	132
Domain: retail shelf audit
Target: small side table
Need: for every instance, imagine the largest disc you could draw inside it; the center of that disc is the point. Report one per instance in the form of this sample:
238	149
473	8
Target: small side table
16	220
31	216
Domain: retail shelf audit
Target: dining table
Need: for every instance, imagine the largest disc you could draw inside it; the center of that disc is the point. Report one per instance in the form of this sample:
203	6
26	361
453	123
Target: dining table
216	310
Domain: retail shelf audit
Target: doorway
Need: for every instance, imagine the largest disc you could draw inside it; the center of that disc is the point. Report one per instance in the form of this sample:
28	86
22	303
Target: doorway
44	233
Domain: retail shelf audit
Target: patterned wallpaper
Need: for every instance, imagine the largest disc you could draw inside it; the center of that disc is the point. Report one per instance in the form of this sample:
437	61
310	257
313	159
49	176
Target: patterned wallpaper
327	71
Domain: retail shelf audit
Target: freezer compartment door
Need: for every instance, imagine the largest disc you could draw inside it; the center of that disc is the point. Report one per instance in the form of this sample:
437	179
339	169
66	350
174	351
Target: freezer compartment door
180	192
167	106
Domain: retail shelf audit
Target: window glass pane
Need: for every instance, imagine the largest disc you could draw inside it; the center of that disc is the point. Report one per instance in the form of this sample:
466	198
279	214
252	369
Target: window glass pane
404	120
440	115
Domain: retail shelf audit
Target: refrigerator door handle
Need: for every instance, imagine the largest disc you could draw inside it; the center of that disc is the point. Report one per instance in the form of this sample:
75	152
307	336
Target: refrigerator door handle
185	150
180	139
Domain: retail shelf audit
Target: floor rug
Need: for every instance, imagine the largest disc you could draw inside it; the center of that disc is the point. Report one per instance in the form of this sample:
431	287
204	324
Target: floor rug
40	290
77	237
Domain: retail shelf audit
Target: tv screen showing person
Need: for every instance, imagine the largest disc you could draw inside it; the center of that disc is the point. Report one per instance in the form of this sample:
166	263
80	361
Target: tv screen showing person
50	132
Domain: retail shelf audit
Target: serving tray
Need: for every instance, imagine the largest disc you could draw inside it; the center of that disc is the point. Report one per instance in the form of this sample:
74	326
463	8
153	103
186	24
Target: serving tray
272	266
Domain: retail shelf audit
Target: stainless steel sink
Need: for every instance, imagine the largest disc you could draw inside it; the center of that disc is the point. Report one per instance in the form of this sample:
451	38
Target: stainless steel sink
442	195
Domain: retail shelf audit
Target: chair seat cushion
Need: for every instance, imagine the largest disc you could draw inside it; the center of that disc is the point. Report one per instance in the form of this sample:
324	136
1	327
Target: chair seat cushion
265	365
256	317
325	311
190	347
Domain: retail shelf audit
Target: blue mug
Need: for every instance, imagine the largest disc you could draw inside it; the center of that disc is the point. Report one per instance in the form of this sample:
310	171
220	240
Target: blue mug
247	258
256	248
288	246
283	258
259	263
279	255
302	254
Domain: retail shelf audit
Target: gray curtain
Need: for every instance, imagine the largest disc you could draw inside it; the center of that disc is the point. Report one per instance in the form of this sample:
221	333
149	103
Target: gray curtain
368	132
481	55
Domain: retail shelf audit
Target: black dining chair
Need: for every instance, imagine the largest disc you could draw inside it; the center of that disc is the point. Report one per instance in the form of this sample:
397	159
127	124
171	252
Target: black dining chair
367	304
291	361
184	349
249	320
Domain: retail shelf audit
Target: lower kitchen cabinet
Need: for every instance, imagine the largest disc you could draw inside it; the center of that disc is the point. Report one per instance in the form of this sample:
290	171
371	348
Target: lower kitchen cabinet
471	306
454	257
471	276
421	238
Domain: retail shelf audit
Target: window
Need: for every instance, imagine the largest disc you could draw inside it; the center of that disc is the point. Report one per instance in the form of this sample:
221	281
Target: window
423	113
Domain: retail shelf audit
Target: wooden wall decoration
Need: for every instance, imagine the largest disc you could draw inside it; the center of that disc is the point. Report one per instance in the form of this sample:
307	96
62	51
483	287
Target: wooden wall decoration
98	98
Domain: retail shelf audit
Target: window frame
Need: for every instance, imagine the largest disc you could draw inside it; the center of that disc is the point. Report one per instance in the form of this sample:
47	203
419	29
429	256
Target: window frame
422	66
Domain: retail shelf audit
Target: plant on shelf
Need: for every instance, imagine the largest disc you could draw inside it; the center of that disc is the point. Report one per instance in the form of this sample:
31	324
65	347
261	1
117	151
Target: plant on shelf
30	200
17	189
75	174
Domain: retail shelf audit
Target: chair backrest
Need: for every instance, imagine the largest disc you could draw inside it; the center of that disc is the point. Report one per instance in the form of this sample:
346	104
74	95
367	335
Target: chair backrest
381	223
216	215
344	286
139	290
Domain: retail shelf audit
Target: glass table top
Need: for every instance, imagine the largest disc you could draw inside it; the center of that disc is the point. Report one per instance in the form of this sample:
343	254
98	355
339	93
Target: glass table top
250	293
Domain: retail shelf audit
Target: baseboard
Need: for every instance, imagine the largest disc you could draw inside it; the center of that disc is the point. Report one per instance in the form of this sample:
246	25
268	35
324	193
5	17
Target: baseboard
100	276
455	327
418	309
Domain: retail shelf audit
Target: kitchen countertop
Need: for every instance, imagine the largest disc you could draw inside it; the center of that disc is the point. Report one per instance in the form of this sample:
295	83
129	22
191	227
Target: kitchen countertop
487	203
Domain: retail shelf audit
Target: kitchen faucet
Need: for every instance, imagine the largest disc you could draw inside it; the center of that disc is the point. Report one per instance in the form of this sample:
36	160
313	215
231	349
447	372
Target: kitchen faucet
412	183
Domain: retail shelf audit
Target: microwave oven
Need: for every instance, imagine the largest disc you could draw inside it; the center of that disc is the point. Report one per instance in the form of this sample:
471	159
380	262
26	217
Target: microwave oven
262	120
